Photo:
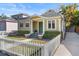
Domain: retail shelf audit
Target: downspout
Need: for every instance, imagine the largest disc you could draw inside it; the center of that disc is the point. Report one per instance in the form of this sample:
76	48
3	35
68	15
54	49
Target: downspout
62	28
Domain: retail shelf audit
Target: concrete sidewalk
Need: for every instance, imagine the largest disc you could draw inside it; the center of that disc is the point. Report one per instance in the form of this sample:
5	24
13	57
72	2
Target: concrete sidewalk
70	46
62	51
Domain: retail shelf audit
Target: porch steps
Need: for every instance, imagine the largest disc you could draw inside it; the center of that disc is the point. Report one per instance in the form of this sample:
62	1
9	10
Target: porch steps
34	35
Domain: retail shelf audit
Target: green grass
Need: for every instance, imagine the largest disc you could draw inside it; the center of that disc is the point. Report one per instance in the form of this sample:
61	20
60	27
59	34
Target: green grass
50	34
16	37
25	39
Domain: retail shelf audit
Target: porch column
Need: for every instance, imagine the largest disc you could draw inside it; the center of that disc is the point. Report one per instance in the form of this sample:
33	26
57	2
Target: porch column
43	26
59	25
31	25
38	26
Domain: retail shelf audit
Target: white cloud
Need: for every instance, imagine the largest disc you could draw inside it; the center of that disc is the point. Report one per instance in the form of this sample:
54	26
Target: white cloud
14	8
40	11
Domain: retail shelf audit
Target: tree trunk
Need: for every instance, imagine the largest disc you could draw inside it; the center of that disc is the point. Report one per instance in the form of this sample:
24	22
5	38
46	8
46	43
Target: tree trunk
77	29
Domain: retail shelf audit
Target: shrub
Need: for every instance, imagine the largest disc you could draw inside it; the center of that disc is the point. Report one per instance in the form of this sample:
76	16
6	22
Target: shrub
22	32
50	34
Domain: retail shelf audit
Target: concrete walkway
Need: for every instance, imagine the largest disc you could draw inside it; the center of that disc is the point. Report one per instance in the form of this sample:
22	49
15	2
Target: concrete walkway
70	46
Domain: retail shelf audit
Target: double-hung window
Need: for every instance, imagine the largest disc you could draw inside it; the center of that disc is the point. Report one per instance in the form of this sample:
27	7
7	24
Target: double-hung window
27	24
21	24
51	24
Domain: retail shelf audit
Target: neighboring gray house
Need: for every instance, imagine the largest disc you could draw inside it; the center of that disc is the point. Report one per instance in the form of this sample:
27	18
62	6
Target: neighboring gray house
8	25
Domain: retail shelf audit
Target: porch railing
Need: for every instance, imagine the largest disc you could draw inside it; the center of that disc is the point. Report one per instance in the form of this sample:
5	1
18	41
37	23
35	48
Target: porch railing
28	48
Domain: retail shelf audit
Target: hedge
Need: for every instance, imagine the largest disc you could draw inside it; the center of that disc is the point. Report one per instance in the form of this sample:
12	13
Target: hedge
22	32
50	34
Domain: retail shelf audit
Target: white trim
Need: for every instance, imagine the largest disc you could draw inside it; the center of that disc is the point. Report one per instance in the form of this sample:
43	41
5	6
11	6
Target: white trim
59	25
43	26
38	26
55	24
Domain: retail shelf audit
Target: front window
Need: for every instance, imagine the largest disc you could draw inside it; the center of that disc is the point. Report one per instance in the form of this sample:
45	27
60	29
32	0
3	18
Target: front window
27	24
21	24
51	24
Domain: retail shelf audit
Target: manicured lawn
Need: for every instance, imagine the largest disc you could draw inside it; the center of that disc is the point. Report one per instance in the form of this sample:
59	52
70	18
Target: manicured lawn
16	38
38	41
35	41
23	39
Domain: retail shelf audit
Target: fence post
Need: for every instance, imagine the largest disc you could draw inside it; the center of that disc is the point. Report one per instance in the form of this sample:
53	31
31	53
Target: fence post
44	51
2	44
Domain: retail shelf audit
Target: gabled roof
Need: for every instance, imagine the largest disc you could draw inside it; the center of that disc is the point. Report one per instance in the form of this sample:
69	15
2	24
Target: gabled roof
8	19
20	16
50	13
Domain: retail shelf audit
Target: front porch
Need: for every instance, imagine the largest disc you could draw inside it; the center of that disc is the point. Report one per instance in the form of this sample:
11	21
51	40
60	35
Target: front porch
37	26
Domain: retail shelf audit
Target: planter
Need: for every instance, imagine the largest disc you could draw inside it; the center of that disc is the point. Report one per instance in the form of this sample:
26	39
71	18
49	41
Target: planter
27	35
77	29
40	36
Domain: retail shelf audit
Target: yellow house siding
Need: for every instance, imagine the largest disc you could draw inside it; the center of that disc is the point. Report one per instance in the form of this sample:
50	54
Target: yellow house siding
57	23
45	25
60	24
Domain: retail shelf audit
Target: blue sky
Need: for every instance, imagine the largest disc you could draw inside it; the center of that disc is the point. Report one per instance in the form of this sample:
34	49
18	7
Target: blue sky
29	8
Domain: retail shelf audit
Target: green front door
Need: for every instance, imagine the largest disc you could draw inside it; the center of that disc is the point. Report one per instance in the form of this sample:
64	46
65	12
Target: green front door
40	27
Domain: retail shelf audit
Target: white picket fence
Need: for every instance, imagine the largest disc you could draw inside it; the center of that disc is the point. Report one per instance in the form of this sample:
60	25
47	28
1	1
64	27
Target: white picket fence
29	49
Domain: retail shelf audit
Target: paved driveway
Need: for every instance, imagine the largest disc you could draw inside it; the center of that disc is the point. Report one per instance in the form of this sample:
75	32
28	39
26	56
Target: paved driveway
70	46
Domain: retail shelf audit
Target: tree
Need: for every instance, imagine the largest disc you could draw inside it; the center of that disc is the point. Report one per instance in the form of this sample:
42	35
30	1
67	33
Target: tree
76	18
2	16
69	11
